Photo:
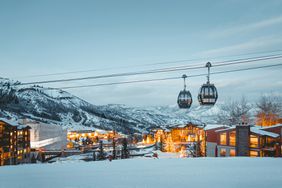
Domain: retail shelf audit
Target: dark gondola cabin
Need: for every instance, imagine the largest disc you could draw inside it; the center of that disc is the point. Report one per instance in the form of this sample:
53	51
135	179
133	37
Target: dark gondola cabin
184	99
208	93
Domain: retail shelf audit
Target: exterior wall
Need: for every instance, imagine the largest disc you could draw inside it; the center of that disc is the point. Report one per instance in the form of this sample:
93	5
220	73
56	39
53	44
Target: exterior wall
23	145
211	149
277	130
47	136
227	148
212	141
211	135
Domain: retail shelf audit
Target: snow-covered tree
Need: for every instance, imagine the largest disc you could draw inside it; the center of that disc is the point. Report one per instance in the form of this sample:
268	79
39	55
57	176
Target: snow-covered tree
269	109
235	112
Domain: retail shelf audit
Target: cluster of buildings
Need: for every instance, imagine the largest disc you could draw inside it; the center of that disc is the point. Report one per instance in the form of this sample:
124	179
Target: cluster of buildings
193	139
86	137
219	140
22	140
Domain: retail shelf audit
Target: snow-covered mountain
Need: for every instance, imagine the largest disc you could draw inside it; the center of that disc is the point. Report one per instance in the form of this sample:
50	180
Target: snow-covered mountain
60	107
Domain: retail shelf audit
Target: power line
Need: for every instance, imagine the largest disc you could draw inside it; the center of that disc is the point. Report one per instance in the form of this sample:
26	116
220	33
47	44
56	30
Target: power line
154	71
148	64
169	78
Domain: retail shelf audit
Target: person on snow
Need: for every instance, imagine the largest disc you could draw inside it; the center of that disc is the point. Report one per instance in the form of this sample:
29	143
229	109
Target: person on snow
155	155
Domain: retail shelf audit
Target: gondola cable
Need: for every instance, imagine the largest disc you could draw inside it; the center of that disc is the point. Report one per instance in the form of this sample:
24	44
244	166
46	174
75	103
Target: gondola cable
174	69
168	78
148	64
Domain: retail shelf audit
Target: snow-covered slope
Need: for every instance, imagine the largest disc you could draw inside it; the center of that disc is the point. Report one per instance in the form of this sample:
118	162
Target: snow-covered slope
59	107
148	173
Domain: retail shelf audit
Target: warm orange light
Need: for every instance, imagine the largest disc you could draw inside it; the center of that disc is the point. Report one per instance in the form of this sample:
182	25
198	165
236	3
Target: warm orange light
267	119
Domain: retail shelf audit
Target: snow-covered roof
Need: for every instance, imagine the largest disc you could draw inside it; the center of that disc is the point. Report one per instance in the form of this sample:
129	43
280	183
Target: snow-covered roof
83	131
13	123
273	126
226	129
254	129
259	131
102	131
201	125
214	126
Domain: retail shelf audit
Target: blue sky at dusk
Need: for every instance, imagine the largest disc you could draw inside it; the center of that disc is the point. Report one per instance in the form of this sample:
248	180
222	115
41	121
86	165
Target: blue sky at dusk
43	37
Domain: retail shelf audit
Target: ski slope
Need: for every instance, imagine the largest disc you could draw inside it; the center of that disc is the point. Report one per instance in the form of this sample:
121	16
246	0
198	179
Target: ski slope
147	173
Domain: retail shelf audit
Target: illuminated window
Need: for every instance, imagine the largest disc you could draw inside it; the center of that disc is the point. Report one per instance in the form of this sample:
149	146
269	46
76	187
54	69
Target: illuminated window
222	138
222	152
254	141
232	138
232	153
254	154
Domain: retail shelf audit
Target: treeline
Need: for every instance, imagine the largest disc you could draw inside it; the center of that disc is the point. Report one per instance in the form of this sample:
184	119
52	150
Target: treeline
265	112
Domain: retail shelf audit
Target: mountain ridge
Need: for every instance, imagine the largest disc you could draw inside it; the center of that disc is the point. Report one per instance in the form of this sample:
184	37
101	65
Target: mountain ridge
56	106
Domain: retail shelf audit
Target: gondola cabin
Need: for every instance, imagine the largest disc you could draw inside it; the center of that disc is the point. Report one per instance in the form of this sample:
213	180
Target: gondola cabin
184	99
208	93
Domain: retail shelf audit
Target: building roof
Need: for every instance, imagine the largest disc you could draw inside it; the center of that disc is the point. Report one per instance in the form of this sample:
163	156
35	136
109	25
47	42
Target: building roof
259	131
226	129
214	126
273	126
200	125
14	123
253	129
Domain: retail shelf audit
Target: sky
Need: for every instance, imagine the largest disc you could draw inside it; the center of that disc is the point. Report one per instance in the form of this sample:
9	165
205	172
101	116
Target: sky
55	36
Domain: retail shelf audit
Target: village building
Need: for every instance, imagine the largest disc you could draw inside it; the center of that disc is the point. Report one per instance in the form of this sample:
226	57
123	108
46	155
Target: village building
211	138
187	139
46	136
88	137
246	140
14	143
218	140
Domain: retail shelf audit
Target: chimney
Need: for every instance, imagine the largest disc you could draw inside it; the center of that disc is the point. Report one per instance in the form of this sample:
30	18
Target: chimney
242	140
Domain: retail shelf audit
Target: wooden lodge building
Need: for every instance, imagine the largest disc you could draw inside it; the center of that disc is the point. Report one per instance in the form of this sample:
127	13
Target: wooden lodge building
14	143
178	138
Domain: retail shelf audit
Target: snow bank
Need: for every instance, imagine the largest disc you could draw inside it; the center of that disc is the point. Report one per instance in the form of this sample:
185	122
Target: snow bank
142	173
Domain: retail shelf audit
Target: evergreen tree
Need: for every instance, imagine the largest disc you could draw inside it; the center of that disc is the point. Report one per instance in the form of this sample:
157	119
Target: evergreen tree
101	155
124	151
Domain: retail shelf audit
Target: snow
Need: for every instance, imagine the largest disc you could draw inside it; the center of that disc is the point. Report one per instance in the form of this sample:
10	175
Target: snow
262	132
273	126
254	129
44	143
214	126
13	123
148	172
